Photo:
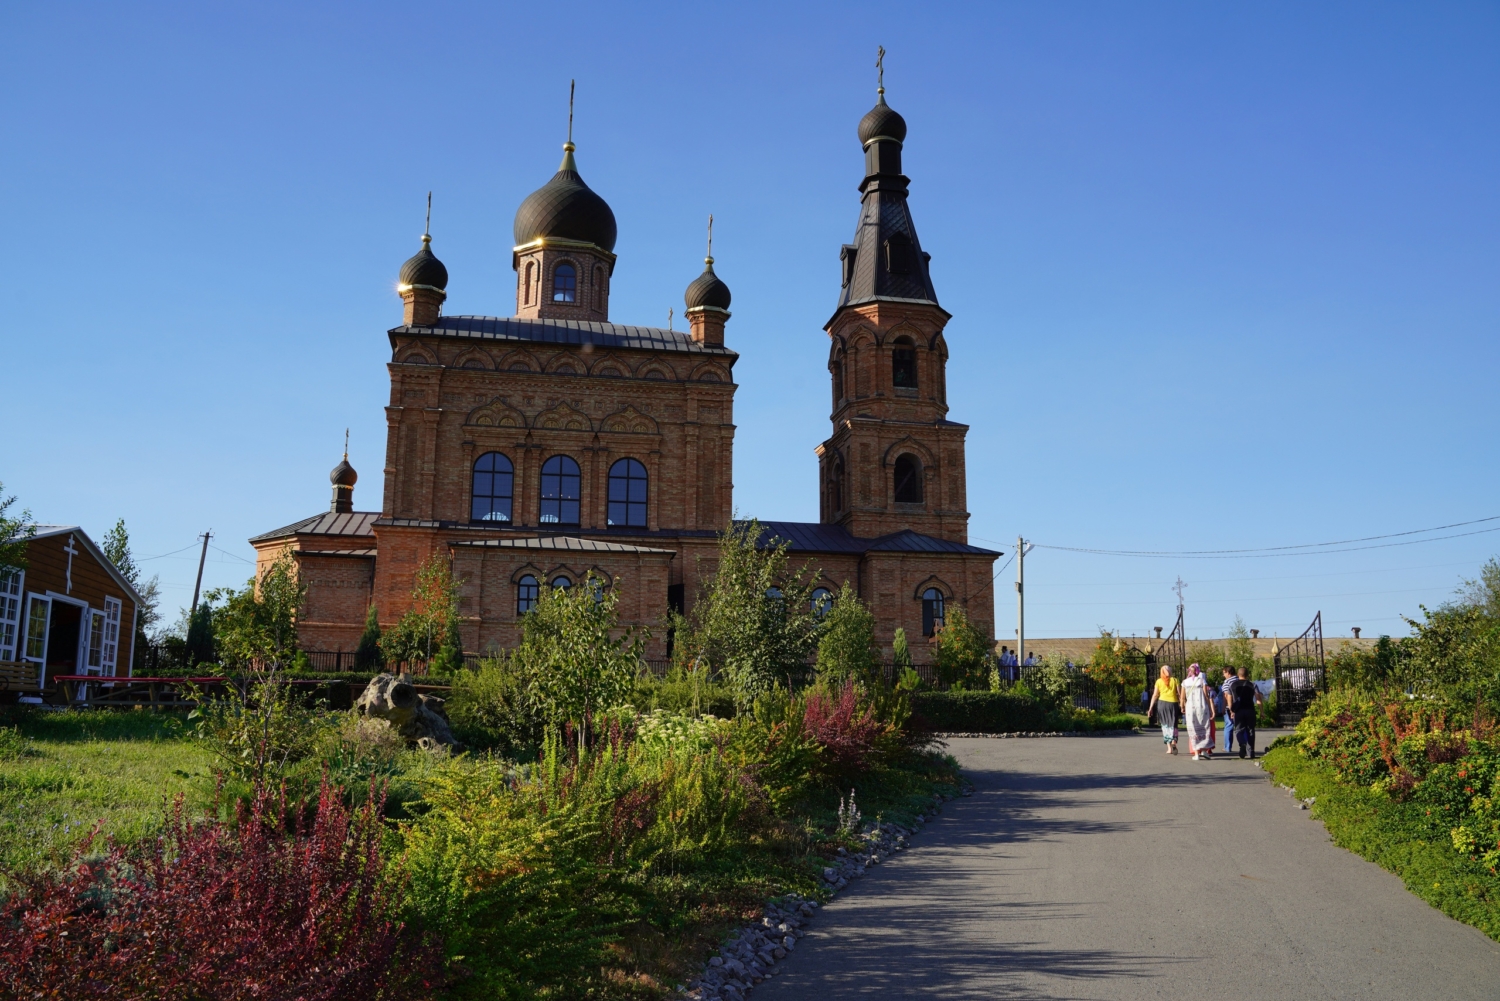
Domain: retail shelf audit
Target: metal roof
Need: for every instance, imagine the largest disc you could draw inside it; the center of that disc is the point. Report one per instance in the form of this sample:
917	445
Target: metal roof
807	536
604	335
350	523
367	554
560	542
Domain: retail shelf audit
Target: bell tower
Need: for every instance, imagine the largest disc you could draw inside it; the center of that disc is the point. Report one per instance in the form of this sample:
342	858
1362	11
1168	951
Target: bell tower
894	461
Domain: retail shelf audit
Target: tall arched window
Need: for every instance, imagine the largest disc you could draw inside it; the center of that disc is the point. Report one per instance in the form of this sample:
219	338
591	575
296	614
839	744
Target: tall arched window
908	479
560	490
932	611
904	364
821	601
565	283
529	279
836	485
838	381
627	494
599	288
493	485
527	591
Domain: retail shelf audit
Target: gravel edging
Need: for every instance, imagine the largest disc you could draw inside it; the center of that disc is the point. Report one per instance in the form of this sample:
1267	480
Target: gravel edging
750	954
1044	733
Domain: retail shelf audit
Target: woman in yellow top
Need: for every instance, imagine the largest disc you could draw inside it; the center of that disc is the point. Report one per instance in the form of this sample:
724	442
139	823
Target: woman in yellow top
1166	699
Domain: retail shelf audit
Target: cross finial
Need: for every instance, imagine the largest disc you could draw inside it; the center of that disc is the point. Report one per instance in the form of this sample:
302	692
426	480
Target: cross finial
1178	588
671	314
880	70
571	85
427	226
346	443
710	258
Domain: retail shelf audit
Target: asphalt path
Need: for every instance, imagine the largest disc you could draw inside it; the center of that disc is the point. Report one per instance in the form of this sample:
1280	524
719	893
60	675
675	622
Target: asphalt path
1100	868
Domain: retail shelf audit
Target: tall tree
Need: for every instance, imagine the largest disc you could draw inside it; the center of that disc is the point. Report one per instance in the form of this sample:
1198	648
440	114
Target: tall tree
117	550
257	627
961	649
15	532
420	635
368	656
847	647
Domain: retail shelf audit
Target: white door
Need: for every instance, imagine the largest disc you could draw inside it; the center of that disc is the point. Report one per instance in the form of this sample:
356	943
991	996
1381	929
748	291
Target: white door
91	642
10	614
112	608
38	617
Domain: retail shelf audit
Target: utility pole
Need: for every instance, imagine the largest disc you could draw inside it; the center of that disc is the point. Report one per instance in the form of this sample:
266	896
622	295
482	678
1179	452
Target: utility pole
1020	604
199	583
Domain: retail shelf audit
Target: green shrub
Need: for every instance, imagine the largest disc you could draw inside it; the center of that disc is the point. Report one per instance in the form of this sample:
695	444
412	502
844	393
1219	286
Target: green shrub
976	712
490	710
846	648
961	654
683	691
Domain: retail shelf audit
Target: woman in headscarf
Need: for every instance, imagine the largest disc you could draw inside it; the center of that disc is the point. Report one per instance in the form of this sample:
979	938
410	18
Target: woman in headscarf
1198	710
1165	699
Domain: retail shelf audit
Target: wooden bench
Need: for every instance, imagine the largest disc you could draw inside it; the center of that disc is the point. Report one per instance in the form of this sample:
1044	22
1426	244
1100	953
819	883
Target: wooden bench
17	676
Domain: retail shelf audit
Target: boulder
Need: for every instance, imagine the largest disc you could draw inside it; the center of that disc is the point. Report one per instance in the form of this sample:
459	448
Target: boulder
421	719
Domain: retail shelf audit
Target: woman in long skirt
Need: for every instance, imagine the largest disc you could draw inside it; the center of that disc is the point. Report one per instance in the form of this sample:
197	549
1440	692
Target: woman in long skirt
1165	698
1198	709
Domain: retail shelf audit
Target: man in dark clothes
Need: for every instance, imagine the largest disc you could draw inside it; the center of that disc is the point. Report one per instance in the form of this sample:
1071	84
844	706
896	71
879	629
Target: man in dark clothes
1243	697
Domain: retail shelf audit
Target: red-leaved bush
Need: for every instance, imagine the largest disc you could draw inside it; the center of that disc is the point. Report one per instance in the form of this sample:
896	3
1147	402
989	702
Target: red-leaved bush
273	907
847	736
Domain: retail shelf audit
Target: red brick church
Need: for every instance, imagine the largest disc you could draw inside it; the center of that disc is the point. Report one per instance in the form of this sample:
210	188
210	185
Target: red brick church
535	448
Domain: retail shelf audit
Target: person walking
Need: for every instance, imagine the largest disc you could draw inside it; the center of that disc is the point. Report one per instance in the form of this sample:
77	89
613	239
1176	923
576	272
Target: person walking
1165	698
1224	708
1243	698
1198	714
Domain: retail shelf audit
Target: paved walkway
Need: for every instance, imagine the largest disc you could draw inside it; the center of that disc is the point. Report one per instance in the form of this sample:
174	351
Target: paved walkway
1099	868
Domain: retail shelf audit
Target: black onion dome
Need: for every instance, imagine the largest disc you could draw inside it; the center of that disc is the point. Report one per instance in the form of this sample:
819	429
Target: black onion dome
343	474
567	209
882	120
707	289
424	268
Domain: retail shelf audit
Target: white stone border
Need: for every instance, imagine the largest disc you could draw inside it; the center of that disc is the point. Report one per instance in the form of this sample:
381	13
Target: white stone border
1045	733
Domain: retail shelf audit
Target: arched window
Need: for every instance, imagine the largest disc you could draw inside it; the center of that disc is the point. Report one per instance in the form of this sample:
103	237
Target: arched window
493	485
562	582
836	485
560	491
838	381
565	283
627	494
527	590
908	479
904	365
932	611
821	601
529	279
774	593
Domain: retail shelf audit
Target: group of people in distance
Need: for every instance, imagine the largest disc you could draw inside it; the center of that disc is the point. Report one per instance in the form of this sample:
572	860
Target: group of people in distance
1198	703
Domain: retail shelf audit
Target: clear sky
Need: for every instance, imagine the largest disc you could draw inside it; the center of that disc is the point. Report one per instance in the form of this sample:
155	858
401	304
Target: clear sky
1222	275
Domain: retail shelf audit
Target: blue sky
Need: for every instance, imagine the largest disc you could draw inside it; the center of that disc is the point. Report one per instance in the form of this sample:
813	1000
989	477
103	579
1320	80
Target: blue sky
1222	276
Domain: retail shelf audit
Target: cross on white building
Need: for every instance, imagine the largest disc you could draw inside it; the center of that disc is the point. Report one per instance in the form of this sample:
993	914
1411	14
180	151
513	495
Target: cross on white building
72	551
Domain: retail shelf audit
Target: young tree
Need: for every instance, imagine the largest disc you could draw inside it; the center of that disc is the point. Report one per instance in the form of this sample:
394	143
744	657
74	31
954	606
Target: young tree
961	649
754	622
1111	662
847	647
367	656
1239	651
15	532
256	628
430	622
573	663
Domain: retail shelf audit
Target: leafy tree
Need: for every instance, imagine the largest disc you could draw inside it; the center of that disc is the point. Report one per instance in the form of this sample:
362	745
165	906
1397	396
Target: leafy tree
900	651
961	649
431	621
1239	651
754	622
368	656
257	627
1109	664
15	533
1482	593
117	550
199	647
846	649
573	664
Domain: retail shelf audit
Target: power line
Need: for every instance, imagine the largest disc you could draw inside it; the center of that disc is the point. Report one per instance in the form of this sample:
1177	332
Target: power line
1235	580
1305	549
233	555
174	552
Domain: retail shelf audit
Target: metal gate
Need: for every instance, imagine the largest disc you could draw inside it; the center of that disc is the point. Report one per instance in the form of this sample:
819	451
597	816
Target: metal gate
1171	651
1300	674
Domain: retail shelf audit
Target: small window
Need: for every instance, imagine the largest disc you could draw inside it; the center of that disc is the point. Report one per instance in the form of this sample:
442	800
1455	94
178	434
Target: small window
526	288
932	611
562	582
494	483
560	491
904	365
627	494
908	480
898	254
821	601
565	283
527	591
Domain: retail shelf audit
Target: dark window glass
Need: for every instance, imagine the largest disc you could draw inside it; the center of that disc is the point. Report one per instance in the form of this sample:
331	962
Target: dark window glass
822	601
774	593
908	480
904	365
560	491
898	254
493	483
562	582
932	611
836	486
527	590
627	494
565	283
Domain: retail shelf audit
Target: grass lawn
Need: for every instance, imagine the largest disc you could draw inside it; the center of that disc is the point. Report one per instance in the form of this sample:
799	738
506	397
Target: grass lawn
1396	836
61	773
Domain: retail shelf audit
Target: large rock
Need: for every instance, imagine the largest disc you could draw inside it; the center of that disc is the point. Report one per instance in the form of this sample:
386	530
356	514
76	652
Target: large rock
421	719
